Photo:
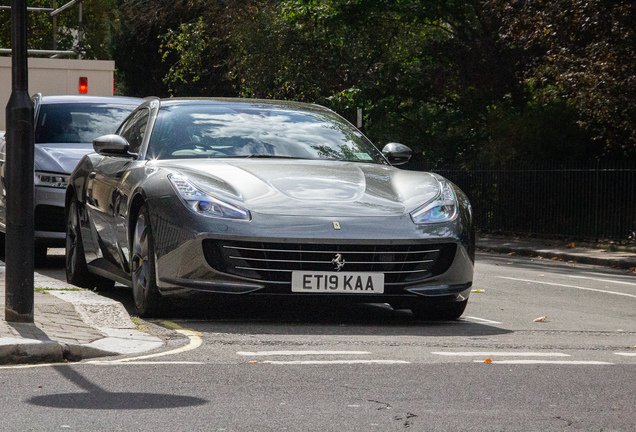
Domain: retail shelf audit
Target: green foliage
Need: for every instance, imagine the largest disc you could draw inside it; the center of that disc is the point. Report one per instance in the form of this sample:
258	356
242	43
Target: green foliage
137	43
175	47
98	17
583	53
188	44
39	27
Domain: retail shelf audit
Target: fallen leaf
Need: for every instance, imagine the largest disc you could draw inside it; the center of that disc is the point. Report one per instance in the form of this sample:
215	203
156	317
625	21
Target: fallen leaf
570	246
541	275
541	319
487	361
512	253
253	362
510	263
554	258
632	270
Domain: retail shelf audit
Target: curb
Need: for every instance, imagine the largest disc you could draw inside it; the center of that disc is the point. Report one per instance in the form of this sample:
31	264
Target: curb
33	352
625	263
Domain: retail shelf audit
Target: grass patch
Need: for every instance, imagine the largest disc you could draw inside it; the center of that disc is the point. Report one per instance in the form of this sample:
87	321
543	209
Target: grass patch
139	324
44	290
171	325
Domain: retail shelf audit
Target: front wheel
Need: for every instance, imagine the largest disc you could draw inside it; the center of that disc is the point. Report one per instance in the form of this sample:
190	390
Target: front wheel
147	298
439	311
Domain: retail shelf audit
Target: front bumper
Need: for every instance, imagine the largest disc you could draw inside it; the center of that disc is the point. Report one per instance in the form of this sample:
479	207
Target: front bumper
183	267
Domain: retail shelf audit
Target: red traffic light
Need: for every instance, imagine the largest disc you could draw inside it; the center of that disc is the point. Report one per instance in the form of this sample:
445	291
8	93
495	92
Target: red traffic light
83	85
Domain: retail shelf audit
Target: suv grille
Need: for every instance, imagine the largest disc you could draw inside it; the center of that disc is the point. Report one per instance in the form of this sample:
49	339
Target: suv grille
272	263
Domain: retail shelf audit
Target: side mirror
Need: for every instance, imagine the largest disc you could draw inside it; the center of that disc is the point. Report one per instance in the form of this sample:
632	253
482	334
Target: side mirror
112	145
397	154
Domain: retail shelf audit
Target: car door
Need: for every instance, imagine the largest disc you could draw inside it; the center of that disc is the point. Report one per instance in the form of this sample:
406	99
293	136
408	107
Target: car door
104	195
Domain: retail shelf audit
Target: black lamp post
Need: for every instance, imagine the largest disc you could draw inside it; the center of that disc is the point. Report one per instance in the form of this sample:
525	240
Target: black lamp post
19	178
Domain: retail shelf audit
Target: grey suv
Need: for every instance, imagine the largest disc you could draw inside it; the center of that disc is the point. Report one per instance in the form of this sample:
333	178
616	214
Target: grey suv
65	127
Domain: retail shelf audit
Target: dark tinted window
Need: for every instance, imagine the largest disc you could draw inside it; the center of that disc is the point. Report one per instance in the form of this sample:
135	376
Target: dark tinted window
134	129
78	123
191	131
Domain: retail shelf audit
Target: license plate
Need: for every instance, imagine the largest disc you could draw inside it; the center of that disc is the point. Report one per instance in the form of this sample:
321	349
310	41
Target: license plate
338	282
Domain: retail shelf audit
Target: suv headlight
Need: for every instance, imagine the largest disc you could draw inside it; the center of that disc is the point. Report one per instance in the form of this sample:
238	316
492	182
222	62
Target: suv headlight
204	204
442	208
51	180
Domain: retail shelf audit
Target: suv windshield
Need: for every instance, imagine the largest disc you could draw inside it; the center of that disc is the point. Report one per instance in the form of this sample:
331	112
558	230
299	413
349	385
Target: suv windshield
78	123
216	131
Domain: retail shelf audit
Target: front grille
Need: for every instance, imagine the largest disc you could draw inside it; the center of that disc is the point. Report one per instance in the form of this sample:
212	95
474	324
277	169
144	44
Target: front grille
272	263
49	218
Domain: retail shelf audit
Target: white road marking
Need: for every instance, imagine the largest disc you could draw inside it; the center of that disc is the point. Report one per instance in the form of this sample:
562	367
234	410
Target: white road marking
626	354
483	320
30	366
115	363
100	363
555	362
326	362
569	286
289	353
499	353
603	280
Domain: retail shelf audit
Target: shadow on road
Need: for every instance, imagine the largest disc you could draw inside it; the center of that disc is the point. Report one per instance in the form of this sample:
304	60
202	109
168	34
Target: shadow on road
94	397
278	317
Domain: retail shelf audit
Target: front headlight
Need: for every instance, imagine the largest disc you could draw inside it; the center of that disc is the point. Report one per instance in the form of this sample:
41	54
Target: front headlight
204	204
51	180
442	209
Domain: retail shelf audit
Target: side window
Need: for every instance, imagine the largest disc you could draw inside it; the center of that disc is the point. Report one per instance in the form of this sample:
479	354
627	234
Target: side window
134	129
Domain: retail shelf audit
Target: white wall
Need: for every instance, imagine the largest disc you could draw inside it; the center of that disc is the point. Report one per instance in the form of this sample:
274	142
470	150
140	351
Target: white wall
58	77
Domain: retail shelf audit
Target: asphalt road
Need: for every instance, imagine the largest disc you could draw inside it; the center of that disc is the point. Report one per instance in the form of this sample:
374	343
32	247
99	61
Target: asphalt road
303	368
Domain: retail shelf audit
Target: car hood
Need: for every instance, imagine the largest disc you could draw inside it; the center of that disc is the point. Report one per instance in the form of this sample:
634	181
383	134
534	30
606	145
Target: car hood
60	158
311	187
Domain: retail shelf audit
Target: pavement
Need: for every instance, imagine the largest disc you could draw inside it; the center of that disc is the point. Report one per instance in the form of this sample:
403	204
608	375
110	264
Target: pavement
609	255
73	324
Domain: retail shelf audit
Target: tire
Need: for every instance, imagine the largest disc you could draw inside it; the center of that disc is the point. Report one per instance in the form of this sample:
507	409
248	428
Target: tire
75	263
148	301
439	311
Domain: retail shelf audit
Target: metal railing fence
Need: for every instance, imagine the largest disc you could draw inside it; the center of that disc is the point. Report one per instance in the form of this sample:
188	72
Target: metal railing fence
579	200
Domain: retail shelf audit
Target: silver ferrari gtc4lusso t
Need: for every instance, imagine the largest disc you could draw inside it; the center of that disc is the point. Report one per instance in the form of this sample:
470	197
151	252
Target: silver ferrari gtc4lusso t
264	198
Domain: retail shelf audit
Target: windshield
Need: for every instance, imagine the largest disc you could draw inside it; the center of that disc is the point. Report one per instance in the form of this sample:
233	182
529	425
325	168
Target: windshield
78	123
216	131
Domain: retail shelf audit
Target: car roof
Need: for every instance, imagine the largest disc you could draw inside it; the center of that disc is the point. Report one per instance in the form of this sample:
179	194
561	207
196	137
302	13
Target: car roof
63	99
271	103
